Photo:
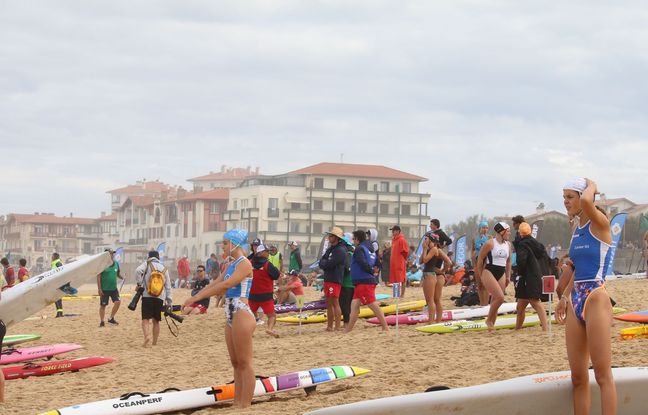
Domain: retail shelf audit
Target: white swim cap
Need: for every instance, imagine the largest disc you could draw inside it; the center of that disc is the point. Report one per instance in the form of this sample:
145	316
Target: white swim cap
578	185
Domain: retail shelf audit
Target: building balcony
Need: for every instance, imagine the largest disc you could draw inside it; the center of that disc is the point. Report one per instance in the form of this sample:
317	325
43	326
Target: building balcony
137	241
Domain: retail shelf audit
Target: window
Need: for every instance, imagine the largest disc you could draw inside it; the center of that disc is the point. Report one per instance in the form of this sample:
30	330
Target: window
272	226
363	185
214	207
384	209
339	206
38	245
206	250
294	227
254	202
318	205
340	184
318	183
362	207
295	206
168	234
244	203
384	186
235	204
116	198
407	187
318	228
273	207
397	188
405	210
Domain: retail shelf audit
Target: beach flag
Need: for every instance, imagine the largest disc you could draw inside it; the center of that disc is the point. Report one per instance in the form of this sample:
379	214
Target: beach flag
452	246
460	251
643	223
419	250
119	255
162	248
616	226
536	228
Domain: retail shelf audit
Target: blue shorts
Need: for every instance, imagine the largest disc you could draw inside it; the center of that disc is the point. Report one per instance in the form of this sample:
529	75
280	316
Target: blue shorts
112	295
580	294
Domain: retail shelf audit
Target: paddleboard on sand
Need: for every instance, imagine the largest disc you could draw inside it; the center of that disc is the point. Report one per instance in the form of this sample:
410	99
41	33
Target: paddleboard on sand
634	317
19	338
638	332
313	305
39	352
44	316
502	322
50	368
36	293
448	315
140	404
546	393
320	317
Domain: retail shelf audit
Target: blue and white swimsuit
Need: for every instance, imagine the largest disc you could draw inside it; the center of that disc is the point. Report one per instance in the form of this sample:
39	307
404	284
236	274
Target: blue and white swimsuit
591	258
234	294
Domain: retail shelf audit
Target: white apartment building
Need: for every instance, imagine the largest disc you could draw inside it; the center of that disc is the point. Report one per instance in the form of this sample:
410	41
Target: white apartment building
302	204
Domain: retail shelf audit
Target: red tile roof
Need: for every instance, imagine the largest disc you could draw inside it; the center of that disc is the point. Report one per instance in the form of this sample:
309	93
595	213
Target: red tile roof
145	187
108	218
357	170
215	194
236	173
142	200
50	219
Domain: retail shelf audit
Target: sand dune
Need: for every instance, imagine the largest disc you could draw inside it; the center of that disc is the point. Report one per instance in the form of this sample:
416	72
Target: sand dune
408	363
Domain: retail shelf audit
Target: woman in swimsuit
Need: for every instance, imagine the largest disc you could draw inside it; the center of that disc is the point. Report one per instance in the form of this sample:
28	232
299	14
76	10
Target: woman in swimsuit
235	284
494	269
588	313
435	262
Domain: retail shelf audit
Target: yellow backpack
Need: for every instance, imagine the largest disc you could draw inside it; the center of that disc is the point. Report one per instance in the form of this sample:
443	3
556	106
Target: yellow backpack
156	281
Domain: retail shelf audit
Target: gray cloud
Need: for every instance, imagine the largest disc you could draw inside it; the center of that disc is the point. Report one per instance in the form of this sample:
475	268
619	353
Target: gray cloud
497	103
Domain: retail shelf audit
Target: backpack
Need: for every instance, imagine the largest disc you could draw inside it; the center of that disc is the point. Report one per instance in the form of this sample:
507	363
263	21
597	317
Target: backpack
155	284
370	257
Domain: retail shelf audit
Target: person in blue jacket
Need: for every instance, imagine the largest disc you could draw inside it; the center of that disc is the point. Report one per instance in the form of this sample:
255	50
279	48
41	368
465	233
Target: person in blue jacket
333	264
364	281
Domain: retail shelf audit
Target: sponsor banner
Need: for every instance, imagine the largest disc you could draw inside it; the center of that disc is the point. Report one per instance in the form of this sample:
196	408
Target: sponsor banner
616	227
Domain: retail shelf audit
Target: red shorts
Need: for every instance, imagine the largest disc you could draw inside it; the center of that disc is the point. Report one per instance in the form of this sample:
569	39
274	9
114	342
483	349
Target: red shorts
200	307
366	293
268	307
332	289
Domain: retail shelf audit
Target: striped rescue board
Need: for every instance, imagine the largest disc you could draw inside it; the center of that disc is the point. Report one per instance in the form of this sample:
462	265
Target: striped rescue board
137	403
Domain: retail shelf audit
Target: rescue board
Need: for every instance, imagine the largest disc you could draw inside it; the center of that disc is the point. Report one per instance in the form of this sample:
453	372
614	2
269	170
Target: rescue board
39	352
50	368
365	312
448	315
38	292
545	393
137	403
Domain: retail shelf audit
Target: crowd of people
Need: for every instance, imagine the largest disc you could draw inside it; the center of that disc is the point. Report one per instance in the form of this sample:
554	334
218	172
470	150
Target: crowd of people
250	279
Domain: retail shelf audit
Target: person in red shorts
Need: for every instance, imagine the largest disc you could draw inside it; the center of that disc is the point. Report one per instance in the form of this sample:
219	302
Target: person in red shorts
364	281
292	286
201	280
399	253
264	274
332	263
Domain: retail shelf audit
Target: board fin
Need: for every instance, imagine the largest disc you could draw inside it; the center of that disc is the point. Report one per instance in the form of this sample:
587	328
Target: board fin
437	388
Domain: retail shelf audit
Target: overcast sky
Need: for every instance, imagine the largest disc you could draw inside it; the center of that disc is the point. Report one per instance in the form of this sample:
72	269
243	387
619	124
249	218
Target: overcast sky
498	103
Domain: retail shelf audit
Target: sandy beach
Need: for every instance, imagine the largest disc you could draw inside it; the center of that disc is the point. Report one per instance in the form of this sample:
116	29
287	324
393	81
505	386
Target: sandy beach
405	364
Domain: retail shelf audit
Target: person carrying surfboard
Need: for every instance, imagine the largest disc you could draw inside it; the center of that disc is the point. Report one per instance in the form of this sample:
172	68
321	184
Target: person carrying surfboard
588	311
235	283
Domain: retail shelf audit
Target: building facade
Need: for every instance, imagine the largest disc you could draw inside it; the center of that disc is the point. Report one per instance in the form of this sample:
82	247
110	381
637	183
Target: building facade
301	205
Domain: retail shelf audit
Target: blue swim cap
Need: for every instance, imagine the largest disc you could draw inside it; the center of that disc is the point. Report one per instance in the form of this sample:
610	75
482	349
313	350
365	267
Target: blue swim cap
483	223
237	236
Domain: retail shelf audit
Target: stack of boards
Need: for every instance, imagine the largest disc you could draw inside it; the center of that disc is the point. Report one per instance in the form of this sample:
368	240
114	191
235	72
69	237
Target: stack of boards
547	393
637	332
448	315
18	355
137	403
502	322
320	317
